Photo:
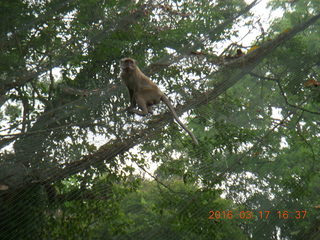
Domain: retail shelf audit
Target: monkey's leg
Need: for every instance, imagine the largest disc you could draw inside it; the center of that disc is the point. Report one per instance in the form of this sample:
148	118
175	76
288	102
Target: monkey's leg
131	110
132	99
132	106
132	102
150	110
142	105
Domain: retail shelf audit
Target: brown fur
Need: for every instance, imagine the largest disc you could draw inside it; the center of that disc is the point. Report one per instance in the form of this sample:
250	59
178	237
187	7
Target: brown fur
144	93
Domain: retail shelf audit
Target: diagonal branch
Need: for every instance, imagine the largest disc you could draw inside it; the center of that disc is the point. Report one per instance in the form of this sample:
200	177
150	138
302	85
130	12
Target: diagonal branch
212	33
230	75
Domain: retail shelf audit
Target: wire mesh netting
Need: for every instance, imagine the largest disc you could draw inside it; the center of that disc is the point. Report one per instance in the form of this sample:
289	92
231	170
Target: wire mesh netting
243	76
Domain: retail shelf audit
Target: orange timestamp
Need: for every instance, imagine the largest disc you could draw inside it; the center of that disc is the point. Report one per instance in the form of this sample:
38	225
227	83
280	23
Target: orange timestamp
217	215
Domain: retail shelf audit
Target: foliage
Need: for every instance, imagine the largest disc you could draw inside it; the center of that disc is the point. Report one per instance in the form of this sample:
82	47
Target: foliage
71	155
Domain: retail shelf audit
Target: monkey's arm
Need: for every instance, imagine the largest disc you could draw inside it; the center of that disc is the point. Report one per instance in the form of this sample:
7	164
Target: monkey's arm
132	101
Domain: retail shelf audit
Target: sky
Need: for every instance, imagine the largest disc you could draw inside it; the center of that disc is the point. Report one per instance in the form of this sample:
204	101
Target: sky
266	16
247	36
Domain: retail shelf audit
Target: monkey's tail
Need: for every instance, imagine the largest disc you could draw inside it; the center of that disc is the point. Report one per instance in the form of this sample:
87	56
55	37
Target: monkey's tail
175	115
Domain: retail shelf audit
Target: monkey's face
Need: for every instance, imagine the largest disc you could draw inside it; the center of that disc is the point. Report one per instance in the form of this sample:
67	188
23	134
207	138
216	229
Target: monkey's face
128	64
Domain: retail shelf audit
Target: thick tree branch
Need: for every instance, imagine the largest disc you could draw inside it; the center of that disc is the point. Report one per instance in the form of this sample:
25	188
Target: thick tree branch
169	60
230	75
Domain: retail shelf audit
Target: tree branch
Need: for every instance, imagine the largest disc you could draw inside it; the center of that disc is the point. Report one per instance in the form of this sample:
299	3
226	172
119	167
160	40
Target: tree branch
283	93
230	75
290	104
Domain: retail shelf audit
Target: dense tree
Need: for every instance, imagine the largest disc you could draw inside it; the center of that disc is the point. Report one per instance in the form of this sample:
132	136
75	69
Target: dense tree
70	152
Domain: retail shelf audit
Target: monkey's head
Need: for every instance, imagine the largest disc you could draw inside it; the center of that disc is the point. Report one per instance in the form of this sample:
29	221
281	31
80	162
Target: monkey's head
128	64
239	52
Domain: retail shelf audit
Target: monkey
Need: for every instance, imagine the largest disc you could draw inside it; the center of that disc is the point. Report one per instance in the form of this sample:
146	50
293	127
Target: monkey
144	93
237	55
311	82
